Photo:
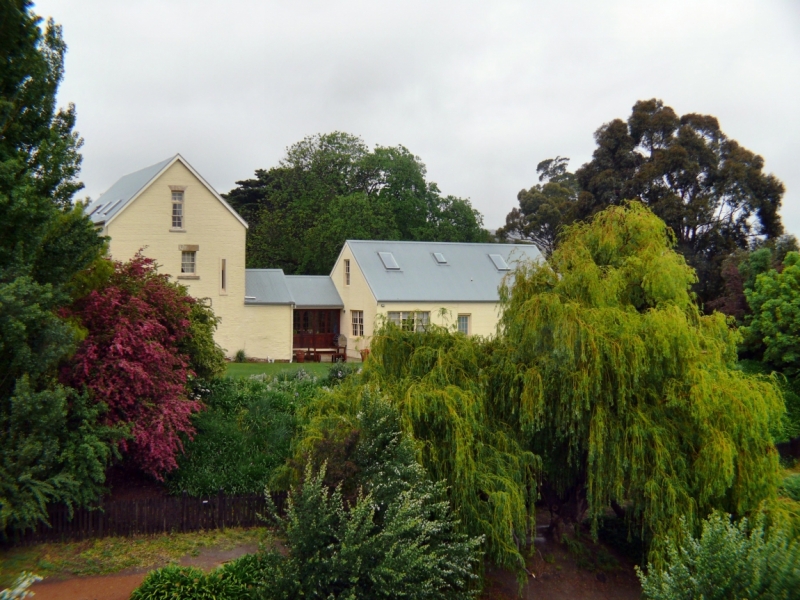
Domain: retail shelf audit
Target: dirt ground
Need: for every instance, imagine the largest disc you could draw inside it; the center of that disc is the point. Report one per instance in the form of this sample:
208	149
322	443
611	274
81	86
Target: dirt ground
554	574
121	585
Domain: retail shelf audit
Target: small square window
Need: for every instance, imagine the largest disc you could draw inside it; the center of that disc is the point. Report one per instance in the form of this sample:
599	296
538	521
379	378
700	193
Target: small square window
188	262
463	324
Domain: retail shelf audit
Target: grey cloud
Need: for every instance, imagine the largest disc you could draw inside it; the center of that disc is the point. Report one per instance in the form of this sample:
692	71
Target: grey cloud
480	91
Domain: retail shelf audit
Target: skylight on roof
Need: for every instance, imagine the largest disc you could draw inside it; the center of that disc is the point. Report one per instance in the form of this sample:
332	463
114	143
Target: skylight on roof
94	210
389	263
499	262
440	258
112	207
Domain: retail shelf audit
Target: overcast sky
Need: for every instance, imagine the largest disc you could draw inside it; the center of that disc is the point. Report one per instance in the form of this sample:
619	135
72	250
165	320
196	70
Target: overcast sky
481	91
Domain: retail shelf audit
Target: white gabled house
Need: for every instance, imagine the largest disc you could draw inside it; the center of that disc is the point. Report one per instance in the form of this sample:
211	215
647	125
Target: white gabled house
175	217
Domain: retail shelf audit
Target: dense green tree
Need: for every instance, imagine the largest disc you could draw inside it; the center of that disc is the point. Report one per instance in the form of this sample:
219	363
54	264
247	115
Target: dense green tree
711	191
50	445
605	384
631	394
773	328
331	187
545	208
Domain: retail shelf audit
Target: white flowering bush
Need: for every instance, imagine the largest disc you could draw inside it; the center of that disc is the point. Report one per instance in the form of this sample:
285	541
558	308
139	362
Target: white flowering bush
728	560
410	549
20	588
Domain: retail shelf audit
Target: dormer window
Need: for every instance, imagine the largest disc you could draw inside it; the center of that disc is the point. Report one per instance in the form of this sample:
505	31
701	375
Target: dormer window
177	209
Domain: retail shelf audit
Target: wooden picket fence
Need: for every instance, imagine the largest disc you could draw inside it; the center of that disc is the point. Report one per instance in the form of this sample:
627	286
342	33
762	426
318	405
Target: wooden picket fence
149	516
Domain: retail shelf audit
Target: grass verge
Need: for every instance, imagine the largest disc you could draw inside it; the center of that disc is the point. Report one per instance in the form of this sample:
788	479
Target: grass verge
113	554
247	369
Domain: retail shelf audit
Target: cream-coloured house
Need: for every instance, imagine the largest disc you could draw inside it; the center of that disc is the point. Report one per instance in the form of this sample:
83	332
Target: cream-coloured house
416	283
170	213
174	216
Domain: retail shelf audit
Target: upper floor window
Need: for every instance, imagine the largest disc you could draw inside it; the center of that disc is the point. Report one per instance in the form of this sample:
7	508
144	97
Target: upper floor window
347	271
188	262
177	209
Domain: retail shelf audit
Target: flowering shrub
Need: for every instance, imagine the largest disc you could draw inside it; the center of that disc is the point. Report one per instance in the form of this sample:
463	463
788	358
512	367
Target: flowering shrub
130	360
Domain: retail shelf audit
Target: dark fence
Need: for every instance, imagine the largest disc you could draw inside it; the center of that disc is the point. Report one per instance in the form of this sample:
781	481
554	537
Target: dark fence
149	516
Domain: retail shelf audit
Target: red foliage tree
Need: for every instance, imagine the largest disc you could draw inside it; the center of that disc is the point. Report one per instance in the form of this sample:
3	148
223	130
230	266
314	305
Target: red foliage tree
130	361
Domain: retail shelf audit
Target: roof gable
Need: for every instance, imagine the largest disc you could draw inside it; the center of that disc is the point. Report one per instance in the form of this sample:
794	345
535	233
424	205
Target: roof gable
462	273
129	187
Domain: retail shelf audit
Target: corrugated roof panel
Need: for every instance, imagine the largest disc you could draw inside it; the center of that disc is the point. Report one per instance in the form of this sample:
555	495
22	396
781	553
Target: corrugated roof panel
469	276
313	291
124	189
266	286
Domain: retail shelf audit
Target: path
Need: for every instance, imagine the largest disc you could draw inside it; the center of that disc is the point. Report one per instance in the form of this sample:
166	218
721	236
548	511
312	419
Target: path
121	585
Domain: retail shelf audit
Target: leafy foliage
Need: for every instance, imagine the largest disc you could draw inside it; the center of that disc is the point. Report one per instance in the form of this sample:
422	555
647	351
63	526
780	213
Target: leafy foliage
243	435
546	207
19	589
50	448
626	388
331	187
728	561
231	581
206	358
406	548
775	322
436	381
709	190
131	360
791	486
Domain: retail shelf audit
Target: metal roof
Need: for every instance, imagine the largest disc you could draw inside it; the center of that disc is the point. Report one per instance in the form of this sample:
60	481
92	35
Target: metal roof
469	274
271	286
127	188
313	291
119	194
266	286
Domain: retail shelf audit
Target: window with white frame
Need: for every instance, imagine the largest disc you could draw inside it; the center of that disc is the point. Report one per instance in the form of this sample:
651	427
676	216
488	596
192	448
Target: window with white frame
358	323
410	320
188	262
347	271
177	209
463	324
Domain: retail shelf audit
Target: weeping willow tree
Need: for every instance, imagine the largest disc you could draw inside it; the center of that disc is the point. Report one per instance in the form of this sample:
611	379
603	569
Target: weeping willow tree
605	386
436	381
631	396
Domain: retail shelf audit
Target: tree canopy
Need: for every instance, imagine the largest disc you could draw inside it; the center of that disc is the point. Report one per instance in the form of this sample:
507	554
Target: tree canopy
545	208
331	187
711	191
605	384
50	444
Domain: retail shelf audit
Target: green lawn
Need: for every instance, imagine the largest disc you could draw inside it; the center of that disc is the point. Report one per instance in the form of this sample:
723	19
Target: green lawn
247	369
